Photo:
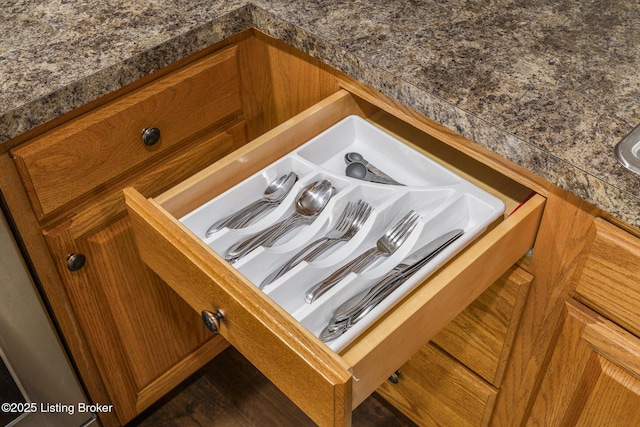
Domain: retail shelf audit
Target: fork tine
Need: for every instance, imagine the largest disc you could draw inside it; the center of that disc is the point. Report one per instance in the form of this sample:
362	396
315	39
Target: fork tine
363	214
411	224
345	217
355	213
355	217
404	227
397	228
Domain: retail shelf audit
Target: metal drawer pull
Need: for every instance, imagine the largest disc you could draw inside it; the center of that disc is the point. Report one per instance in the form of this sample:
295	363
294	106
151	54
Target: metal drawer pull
75	261
395	377
150	136
212	320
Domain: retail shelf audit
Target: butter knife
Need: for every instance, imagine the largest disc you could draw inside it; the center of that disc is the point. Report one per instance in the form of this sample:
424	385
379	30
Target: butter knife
352	310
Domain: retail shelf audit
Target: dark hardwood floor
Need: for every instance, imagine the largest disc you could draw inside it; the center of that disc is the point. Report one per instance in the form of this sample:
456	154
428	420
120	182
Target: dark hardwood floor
229	391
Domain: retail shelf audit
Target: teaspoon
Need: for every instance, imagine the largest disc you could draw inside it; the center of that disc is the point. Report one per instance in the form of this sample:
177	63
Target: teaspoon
275	193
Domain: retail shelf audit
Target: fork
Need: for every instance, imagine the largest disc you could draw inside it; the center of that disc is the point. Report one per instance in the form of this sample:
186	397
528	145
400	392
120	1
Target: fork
386	245
353	216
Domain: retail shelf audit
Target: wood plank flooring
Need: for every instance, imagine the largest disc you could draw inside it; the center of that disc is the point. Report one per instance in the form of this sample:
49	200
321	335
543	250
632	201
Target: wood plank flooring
230	392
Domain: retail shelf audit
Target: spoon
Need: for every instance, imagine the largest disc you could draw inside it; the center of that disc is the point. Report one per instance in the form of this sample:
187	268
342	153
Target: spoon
359	170
364	170
275	193
308	205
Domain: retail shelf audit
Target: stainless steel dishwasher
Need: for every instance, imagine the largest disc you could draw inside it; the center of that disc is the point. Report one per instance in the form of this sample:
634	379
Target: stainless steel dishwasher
38	386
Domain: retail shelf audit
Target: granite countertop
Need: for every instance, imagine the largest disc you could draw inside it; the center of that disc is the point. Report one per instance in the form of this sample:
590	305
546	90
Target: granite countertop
550	85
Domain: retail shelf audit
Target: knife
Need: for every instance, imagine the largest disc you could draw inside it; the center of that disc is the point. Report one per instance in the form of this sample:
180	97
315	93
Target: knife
360	304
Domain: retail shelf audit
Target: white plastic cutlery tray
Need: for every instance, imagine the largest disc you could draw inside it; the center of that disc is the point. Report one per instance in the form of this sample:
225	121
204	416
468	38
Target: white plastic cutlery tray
444	200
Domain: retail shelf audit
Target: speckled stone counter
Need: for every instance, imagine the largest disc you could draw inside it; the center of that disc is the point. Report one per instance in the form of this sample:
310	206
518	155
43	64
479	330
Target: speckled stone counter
550	85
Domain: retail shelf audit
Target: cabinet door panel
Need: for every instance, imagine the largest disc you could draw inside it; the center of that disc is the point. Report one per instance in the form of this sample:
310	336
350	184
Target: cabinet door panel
435	390
481	336
610	280
614	385
129	289
137	327
593	377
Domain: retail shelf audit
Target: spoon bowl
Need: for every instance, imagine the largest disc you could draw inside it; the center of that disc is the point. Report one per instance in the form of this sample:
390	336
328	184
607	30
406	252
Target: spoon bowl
354	157
278	189
273	195
358	170
313	198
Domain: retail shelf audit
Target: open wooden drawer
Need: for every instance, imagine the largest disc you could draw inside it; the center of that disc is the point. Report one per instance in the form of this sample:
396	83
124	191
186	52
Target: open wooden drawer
324	384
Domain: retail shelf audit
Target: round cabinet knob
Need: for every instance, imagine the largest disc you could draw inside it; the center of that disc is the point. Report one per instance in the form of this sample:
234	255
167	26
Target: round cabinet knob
75	261
212	320
150	136
395	377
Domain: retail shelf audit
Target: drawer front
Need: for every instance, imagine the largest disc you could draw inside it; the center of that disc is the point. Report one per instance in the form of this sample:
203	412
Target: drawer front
62	165
435	390
610	279
272	341
480	337
287	353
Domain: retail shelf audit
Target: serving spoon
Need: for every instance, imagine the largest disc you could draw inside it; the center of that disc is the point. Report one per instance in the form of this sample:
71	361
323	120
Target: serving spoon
308	205
275	193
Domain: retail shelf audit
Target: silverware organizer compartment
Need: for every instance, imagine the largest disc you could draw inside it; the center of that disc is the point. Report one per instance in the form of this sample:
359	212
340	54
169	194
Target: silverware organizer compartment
444	200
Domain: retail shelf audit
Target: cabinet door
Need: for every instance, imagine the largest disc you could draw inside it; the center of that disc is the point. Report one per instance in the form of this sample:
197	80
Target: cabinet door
434	389
138	330
443	383
593	377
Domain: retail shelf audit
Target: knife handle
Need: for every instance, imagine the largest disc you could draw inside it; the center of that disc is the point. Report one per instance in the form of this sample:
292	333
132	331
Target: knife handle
353	304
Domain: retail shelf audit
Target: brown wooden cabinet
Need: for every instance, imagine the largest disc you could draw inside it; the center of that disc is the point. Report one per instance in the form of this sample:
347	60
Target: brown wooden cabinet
143	338
593	377
593	374
134	338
